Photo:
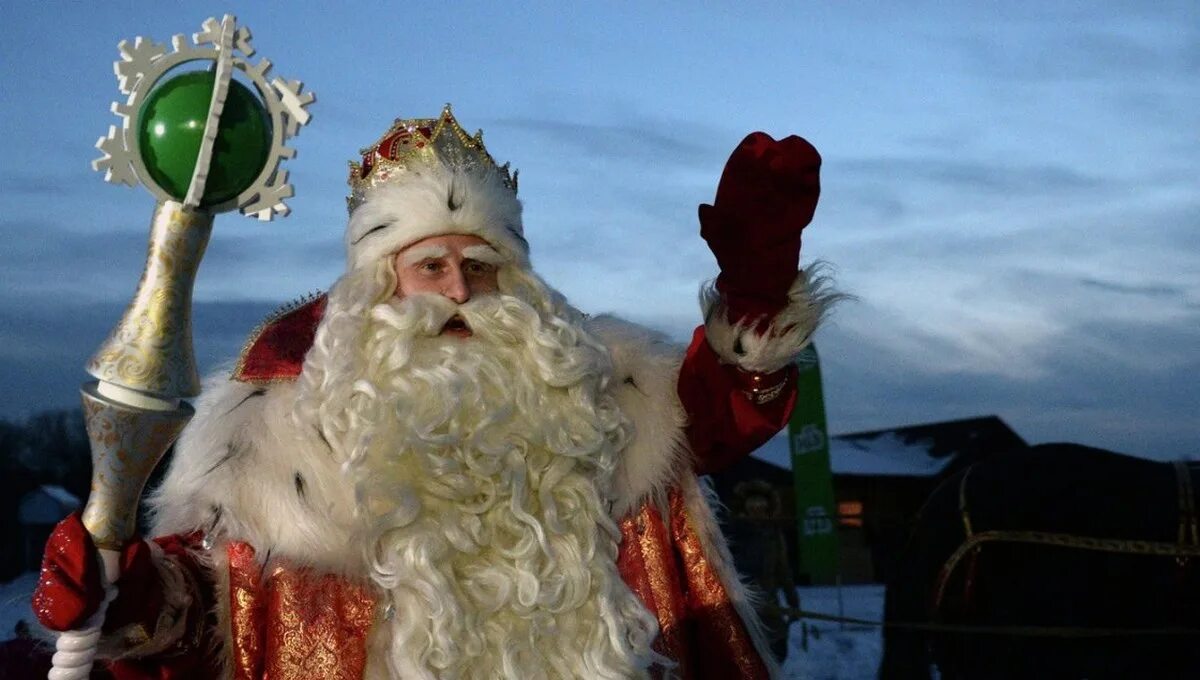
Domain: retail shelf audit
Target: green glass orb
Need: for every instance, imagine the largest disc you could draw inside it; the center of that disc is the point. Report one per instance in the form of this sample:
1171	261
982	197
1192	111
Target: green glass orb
171	126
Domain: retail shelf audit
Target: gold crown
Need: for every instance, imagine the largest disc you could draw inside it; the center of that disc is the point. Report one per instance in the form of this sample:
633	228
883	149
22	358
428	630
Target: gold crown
421	141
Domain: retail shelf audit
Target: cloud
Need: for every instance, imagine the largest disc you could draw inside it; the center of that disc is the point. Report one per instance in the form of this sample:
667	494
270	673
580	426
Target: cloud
990	176
1122	386
34	185
1088	42
934	195
666	144
611	216
105	265
45	343
1150	290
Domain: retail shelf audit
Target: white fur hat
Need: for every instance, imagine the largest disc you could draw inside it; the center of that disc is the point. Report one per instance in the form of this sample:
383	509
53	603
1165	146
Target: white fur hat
427	177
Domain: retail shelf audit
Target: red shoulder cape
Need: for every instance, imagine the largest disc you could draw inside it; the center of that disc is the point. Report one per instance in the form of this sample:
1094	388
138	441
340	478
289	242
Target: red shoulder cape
276	349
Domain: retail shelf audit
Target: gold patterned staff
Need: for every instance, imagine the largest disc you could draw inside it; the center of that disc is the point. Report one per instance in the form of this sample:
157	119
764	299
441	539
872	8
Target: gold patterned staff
203	143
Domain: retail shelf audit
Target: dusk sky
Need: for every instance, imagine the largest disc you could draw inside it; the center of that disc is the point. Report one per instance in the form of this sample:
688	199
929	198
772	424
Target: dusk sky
1010	189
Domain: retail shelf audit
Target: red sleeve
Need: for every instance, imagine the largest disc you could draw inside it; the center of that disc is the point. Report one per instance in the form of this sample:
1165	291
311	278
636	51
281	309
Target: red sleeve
724	422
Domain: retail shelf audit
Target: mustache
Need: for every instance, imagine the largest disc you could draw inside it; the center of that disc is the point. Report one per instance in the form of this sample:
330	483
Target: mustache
418	315
494	317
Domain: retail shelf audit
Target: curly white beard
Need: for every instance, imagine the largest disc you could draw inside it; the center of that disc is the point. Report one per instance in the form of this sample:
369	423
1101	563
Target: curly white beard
481	469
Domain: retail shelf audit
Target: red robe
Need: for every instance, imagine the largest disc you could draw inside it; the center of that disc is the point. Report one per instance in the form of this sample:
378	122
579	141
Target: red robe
291	622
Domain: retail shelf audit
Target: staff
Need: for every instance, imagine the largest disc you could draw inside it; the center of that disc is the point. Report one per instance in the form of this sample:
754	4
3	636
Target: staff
202	143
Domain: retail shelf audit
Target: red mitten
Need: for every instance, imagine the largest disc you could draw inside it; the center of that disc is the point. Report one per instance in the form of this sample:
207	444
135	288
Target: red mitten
69	589
767	195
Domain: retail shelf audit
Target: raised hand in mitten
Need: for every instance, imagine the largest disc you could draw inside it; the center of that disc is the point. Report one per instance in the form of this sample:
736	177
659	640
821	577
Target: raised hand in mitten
69	588
767	195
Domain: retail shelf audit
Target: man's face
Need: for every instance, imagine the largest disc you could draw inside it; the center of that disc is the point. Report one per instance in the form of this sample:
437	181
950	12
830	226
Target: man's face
758	507
455	266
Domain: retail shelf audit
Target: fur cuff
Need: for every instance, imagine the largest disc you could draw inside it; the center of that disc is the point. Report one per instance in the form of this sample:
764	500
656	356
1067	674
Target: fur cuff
809	298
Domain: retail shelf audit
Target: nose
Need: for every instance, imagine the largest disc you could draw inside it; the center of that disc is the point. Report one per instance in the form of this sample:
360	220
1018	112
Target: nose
456	286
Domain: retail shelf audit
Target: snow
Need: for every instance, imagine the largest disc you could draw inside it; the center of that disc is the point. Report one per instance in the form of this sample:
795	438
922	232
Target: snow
885	454
834	651
14	603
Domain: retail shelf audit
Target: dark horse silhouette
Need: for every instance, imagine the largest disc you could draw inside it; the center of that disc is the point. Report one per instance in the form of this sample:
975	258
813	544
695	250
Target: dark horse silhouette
1093	555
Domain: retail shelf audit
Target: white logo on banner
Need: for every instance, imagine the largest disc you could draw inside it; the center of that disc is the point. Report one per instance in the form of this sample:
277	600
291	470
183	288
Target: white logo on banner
810	438
817	522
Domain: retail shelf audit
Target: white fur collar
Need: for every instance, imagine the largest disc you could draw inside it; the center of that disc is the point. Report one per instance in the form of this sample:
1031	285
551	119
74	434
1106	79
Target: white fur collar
646	371
240	471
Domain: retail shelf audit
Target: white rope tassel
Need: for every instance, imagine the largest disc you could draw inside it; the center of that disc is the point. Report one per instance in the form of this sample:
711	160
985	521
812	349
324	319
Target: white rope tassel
75	650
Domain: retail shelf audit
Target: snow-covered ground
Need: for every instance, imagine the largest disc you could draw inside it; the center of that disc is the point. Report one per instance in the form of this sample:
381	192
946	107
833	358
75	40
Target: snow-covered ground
828	652
834	651
14	603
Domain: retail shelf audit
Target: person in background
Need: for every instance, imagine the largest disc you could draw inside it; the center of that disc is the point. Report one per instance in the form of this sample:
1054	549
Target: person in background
762	553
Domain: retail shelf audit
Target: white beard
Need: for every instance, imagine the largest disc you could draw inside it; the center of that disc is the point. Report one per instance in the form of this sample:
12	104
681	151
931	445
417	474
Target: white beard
482	470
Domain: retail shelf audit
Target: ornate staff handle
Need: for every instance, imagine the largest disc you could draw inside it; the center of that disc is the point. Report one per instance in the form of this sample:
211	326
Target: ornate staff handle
135	408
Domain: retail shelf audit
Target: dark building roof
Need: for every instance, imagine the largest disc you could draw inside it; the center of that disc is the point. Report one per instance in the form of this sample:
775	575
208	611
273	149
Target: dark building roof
927	450
889	473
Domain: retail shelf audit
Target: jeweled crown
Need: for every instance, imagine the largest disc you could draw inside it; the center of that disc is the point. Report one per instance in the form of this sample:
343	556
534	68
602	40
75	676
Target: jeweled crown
421	141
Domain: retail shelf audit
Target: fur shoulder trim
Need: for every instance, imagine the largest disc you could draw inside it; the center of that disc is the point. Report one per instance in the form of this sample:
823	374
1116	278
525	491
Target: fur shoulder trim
215	438
646	372
242	471
809	299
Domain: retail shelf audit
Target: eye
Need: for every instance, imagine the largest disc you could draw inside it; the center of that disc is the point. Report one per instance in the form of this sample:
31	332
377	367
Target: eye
429	267
477	268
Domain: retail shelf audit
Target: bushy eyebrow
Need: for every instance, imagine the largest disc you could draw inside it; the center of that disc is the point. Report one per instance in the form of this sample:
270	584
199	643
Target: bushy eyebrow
483	253
419	253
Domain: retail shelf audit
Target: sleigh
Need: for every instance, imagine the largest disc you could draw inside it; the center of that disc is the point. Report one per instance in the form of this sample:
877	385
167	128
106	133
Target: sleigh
1061	561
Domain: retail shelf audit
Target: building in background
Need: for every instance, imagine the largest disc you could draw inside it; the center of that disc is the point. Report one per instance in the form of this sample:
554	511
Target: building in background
880	479
37	513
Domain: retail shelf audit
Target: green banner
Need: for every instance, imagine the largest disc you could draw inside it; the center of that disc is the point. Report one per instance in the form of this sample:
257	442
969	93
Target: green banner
808	439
